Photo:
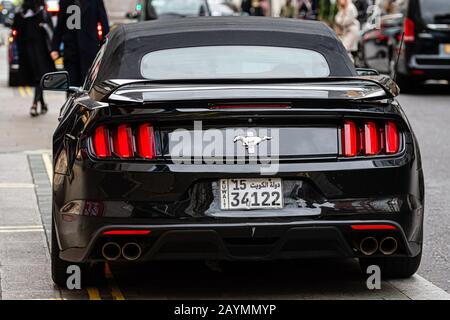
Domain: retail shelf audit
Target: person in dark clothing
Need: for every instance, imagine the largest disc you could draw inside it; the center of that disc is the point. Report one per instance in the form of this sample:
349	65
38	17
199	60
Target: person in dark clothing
34	32
305	9
80	46
361	6
258	8
150	12
246	6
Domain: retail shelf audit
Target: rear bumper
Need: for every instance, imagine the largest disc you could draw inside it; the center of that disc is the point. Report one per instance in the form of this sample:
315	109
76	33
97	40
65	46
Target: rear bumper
245	241
430	66
168	200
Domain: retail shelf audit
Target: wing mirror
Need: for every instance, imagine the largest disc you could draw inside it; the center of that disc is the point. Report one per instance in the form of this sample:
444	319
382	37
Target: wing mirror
364	72
57	81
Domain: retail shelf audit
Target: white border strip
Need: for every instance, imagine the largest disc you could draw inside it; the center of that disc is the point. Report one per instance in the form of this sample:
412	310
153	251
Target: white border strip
21	231
20	227
48	166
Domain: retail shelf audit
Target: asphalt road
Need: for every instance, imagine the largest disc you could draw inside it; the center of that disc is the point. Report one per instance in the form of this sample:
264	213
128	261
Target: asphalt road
428	111
25	168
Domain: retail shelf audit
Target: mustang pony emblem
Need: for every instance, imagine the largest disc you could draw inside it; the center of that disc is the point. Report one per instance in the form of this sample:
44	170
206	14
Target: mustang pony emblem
250	141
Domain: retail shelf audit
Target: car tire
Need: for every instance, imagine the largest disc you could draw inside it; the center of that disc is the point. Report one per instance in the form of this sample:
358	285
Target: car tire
91	274
393	267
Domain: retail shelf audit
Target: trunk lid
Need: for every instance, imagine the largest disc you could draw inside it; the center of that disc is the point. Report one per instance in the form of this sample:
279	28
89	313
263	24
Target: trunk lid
237	143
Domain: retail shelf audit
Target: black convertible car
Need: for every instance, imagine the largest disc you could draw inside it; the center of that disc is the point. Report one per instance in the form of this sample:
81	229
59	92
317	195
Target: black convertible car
232	139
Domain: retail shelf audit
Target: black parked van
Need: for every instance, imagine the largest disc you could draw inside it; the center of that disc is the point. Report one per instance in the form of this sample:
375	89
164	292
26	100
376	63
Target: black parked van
426	50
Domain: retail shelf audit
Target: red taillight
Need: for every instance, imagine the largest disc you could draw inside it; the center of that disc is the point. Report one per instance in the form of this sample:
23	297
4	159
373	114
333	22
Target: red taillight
127	232
369	138
371	142
99	31
409	30
146	141
14	33
101	142
251	106
417	72
350	139
373	227
392	138
382	37
123	142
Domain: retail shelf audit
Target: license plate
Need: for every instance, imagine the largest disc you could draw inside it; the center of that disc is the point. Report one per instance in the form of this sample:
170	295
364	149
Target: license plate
447	49
251	194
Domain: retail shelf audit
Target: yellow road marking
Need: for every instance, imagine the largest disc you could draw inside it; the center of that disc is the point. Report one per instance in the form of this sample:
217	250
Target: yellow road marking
94	294
59	62
22	92
115	291
29	91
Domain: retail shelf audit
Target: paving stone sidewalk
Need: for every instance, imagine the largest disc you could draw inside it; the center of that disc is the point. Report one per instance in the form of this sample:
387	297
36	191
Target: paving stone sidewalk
24	254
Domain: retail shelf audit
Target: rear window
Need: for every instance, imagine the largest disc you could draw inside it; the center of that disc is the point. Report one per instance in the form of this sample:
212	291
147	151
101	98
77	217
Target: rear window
435	11
233	62
179	7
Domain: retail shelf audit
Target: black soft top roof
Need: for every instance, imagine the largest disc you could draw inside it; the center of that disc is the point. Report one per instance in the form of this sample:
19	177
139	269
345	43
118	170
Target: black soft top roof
127	44
166	26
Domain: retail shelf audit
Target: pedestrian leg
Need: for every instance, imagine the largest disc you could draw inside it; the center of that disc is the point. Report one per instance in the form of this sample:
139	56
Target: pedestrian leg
37	97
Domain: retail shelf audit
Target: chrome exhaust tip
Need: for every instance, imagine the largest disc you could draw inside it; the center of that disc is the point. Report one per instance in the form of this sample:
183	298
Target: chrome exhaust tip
111	251
388	246
131	251
368	246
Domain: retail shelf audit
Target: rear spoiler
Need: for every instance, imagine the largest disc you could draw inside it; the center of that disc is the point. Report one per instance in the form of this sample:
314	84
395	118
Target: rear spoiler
360	88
